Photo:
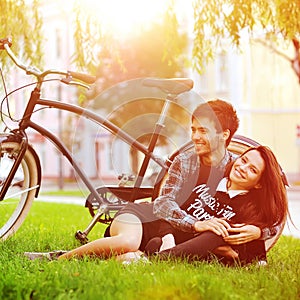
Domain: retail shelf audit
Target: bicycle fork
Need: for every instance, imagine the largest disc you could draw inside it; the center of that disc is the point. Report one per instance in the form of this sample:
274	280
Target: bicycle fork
9	179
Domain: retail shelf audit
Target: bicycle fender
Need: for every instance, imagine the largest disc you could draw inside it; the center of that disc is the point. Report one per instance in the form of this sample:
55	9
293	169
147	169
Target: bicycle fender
39	168
10	137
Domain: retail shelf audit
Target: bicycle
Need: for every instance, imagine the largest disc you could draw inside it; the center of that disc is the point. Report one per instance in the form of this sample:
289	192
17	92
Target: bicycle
104	201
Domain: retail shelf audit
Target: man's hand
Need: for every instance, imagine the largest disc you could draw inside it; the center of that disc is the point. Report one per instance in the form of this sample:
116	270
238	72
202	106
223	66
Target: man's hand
241	233
218	226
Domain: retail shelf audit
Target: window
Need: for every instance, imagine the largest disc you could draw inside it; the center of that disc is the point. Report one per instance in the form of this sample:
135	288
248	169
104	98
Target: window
58	43
222	74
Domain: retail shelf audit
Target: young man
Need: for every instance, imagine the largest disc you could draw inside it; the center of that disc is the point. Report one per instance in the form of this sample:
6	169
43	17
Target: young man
213	125
240	197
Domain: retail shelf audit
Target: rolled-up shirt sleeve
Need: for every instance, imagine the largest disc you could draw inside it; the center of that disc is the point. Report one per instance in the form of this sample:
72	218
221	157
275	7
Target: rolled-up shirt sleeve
166	206
269	232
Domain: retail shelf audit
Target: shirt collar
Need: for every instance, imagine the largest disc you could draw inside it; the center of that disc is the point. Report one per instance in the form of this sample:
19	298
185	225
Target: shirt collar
222	187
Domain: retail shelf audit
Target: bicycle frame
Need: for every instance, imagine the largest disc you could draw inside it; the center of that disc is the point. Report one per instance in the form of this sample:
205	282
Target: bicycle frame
28	123
171	86
15	146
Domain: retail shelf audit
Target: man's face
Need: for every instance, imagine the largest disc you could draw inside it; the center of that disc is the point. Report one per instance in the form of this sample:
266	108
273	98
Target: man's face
205	137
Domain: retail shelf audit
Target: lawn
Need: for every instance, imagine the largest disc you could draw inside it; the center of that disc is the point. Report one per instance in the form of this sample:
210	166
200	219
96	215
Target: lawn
52	226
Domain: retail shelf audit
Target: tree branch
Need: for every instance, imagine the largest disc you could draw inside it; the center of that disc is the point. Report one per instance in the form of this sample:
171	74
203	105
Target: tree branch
268	45
295	62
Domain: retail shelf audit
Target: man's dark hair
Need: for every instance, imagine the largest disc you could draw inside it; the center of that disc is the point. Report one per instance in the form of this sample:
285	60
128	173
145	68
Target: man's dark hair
222	113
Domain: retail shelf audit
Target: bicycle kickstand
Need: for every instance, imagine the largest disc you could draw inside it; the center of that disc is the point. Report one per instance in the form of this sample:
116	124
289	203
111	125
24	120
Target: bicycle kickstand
82	236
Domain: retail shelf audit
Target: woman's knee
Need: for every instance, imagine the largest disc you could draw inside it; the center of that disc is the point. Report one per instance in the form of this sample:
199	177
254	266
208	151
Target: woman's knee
130	244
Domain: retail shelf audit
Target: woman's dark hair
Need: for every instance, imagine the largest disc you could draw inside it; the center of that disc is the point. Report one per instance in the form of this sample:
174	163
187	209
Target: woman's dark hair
268	205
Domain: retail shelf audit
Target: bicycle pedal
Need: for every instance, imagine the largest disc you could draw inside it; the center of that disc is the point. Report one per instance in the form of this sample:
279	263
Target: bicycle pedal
79	235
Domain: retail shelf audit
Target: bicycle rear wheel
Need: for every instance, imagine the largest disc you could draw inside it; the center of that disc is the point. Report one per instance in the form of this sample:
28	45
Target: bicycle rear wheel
18	199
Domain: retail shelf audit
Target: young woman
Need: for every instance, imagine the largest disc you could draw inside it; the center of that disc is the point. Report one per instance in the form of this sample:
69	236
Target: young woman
213	123
252	192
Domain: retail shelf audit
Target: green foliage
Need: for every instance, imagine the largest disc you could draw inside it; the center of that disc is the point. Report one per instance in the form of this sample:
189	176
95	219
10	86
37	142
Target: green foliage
52	226
158	50
223	23
88	38
21	21
174	43
218	24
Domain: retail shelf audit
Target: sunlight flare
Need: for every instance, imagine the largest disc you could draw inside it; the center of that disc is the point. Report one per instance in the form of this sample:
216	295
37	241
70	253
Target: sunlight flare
121	18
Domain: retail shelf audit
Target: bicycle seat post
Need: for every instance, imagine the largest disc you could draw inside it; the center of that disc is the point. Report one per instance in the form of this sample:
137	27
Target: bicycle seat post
162	117
160	124
173	87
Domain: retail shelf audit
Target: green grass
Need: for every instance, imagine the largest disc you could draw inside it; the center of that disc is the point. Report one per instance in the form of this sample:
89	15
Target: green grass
52	226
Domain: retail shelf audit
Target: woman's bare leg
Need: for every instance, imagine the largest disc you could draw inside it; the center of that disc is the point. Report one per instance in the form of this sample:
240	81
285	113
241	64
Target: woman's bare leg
126	235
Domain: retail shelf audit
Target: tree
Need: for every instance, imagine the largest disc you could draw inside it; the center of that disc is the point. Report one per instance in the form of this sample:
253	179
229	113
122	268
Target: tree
275	21
94	45
272	22
21	21
155	51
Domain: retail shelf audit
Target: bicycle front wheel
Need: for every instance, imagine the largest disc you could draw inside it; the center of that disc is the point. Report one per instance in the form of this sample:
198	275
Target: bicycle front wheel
18	199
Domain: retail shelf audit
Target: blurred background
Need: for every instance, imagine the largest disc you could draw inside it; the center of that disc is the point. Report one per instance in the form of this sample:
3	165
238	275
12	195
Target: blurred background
246	53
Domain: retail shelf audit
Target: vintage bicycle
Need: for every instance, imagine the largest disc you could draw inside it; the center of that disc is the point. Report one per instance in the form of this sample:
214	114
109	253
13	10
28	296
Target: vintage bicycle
23	173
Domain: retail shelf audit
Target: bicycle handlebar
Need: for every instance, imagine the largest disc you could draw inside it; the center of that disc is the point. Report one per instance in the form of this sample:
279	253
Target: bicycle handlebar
83	77
6	43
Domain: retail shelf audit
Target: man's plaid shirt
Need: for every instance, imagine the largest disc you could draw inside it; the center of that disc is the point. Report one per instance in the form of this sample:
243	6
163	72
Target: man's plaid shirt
166	206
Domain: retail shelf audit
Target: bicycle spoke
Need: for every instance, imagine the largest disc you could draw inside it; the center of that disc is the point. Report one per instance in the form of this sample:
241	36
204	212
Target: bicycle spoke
21	192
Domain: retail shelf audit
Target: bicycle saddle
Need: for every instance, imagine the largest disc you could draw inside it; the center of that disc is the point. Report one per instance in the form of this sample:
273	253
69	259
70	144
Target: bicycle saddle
173	86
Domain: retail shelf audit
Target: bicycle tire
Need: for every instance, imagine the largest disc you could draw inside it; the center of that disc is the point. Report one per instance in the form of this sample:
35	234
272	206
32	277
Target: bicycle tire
19	197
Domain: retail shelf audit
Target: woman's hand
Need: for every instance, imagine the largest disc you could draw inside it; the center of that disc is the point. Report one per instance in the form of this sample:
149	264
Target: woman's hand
218	226
241	233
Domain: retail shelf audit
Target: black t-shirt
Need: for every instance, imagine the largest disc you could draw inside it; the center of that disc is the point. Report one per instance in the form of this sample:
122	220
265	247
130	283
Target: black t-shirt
204	202
202	193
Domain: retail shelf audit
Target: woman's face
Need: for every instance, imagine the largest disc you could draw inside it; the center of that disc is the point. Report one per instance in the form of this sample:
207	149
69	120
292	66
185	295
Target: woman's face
246	171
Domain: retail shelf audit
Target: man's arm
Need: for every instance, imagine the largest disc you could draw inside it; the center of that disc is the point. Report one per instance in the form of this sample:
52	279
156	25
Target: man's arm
166	206
268	233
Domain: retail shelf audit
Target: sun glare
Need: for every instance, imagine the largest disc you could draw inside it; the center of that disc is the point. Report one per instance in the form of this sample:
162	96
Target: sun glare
124	17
